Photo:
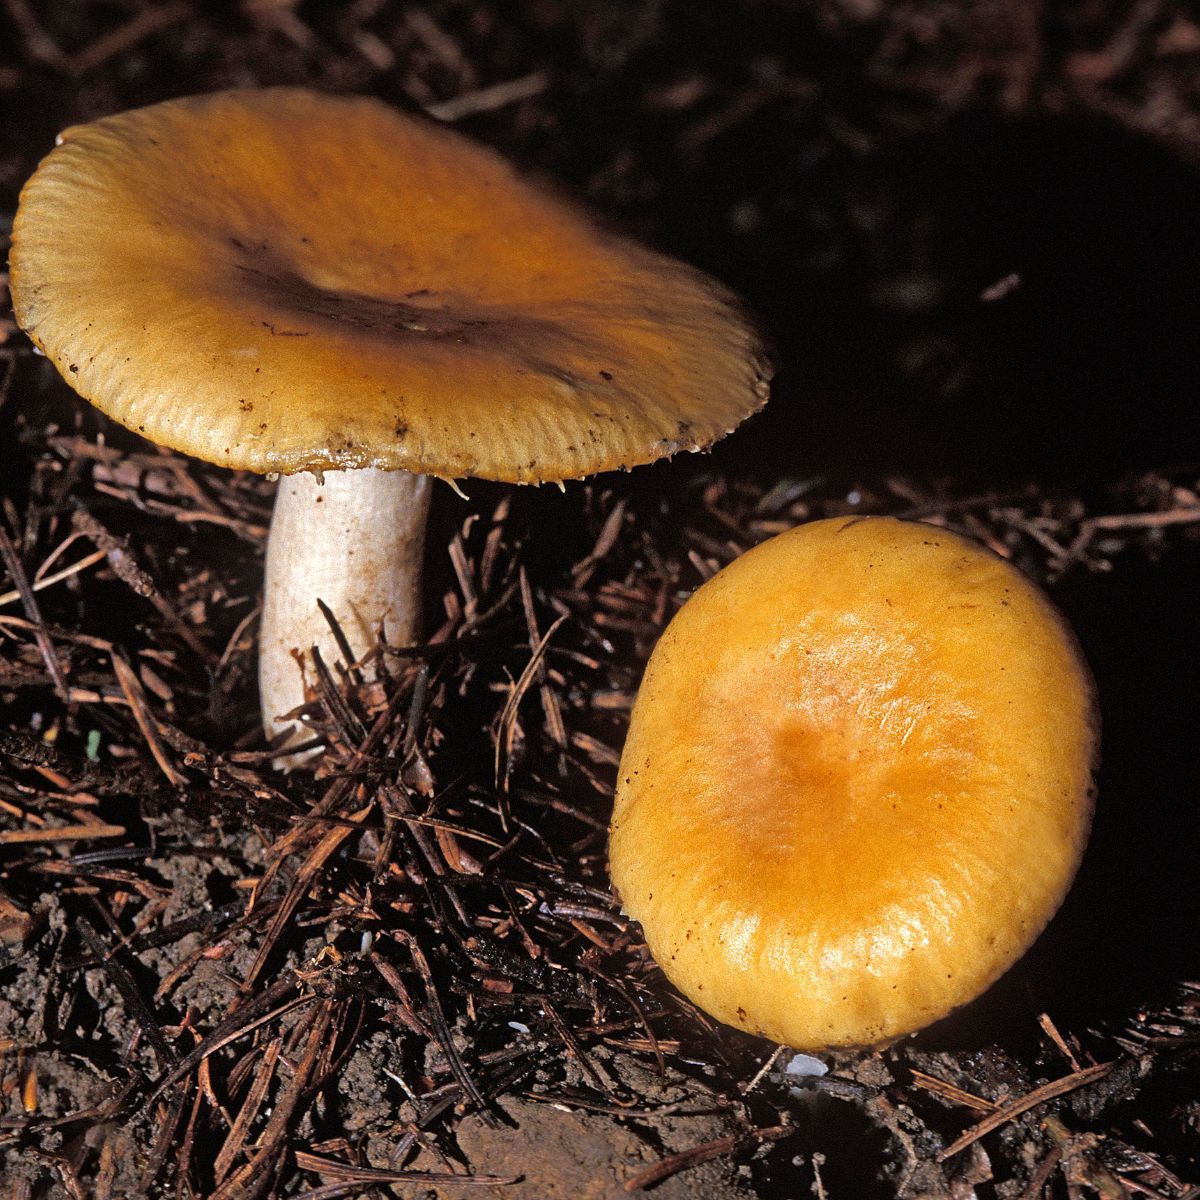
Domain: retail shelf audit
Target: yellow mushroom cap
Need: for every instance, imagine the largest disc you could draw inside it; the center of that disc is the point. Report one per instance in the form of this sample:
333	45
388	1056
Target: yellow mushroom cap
279	280
857	782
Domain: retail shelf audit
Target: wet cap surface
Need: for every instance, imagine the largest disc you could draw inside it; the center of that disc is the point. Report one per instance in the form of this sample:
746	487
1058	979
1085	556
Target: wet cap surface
857	782
278	280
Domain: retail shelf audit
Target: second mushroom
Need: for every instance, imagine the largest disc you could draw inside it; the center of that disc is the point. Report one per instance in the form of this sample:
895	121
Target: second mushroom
282	281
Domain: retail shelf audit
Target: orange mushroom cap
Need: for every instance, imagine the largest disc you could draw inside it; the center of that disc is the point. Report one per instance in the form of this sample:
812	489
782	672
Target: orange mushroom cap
857	782
279	280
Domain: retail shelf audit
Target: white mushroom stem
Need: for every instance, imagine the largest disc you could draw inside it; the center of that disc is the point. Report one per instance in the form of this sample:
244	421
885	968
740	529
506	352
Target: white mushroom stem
354	540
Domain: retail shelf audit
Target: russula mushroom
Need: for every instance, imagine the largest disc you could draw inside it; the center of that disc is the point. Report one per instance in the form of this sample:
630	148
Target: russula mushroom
857	782
281	281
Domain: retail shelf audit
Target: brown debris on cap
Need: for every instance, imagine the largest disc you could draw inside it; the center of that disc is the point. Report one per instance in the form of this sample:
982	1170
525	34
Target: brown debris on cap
277	280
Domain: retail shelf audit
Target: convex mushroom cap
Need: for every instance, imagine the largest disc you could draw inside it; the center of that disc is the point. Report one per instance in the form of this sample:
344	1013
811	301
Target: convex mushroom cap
857	782
278	280
283	281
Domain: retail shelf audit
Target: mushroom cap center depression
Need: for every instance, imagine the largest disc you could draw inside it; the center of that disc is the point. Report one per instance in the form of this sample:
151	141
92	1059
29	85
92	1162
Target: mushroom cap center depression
853	754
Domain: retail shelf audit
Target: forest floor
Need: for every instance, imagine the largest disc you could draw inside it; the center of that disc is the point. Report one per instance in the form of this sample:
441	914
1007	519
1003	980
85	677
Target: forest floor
969	231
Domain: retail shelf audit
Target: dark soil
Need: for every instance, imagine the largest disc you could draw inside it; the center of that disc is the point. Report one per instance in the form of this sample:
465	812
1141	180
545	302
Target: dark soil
969	230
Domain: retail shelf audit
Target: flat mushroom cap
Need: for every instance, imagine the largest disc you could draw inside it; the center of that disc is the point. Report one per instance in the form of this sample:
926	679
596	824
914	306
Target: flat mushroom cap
278	280
857	782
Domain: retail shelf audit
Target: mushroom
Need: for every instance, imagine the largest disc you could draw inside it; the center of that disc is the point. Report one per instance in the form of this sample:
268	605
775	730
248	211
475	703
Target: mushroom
281	281
857	782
